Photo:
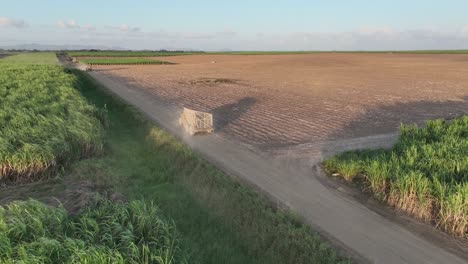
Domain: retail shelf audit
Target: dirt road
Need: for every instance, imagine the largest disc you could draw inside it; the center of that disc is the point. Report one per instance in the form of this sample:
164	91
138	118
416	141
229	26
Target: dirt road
364	233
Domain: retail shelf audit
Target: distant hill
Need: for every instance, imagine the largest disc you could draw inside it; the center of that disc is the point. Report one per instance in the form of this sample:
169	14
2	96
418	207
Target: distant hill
34	46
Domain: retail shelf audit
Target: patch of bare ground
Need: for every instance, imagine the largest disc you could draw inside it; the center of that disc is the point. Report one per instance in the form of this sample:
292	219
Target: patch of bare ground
213	81
298	99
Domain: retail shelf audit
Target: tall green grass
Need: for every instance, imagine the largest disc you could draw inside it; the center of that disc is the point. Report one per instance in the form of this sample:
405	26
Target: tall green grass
104	232
44	121
425	175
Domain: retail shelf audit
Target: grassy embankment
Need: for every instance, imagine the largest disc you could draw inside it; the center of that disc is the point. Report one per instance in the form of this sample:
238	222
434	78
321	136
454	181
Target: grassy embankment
425	174
122	61
218	220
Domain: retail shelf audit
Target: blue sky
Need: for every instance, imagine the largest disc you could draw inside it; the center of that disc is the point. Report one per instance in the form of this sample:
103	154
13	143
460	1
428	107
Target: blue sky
238	25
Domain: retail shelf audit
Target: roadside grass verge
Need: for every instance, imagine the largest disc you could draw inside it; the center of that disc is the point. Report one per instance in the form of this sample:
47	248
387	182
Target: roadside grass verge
44	121
122	61
128	53
31	58
104	232
424	175
219	219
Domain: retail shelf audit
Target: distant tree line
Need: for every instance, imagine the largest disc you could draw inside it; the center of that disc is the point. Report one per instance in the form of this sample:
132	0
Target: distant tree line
161	50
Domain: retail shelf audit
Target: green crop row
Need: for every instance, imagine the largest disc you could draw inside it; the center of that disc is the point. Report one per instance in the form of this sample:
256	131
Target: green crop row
425	174
44	121
104	232
30	58
122	61
128	53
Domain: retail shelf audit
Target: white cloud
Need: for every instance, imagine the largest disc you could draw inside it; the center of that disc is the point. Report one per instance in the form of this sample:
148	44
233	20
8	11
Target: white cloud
376	31
226	33
90	27
362	38
194	35
8	22
464	31
68	24
127	28
367	38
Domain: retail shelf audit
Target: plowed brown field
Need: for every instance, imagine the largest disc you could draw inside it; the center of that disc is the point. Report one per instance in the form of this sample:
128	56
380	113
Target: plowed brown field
274	101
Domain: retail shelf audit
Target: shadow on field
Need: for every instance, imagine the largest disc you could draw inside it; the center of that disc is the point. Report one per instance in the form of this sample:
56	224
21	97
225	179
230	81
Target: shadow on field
228	113
4	55
378	127
387	119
